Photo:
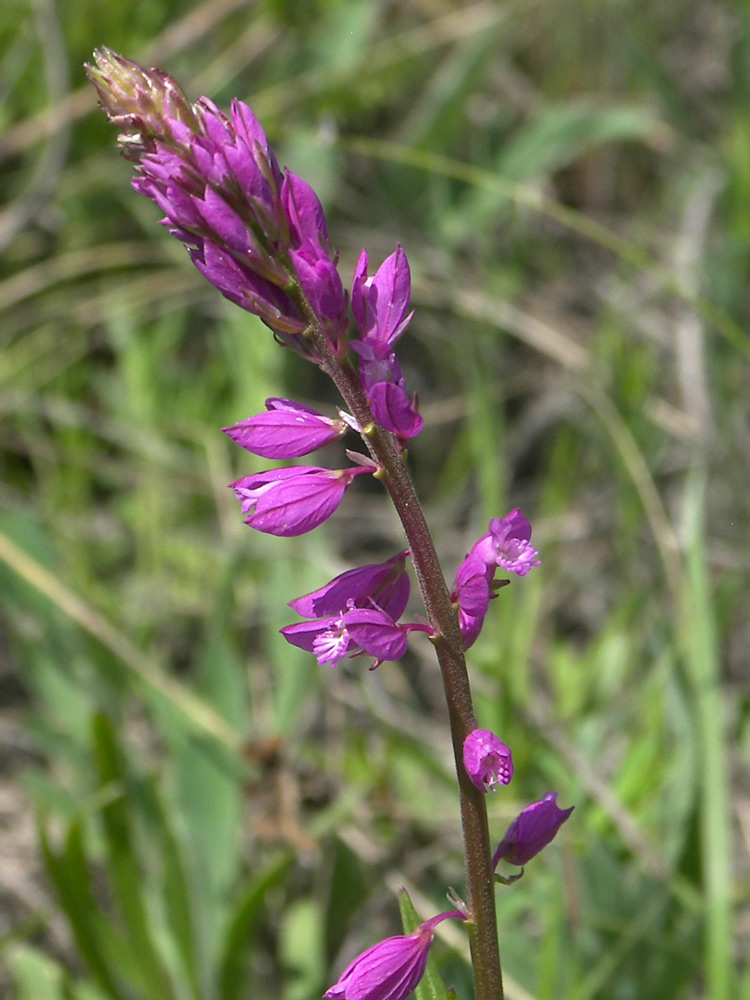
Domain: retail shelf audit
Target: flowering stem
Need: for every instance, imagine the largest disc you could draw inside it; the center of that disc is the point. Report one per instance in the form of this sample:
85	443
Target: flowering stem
482	924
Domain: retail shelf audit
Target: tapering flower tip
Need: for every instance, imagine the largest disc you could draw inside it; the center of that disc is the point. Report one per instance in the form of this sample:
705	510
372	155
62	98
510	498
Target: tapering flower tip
286	430
533	828
507	544
380	302
383	584
292	501
488	761
257	235
358	630
141	102
390	969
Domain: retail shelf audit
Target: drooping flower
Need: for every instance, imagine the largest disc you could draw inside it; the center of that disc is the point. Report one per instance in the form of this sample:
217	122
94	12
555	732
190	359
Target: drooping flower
356	631
507	544
488	761
292	501
255	233
531	831
390	969
286	430
385	585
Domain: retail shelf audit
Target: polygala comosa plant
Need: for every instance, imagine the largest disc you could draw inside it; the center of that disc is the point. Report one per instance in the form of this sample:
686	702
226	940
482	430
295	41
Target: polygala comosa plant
259	235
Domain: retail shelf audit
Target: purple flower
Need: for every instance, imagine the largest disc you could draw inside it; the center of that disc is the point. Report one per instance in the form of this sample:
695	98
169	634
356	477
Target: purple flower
385	585
356	631
531	830
507	544
487	759
380	305
380	302
255	233
390	969
287	430
291	501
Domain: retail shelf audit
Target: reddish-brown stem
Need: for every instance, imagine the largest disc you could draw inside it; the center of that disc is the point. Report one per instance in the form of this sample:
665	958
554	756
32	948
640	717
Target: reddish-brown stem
480	886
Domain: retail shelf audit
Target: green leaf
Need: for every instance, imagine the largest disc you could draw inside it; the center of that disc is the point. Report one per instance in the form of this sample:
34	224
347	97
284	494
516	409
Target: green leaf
69	875
126	871
36	976
235	949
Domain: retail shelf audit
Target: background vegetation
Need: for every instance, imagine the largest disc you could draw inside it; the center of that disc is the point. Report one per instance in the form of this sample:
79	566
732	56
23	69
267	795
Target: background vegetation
190	808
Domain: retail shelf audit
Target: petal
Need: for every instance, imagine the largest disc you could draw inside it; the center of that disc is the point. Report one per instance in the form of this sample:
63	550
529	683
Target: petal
393	411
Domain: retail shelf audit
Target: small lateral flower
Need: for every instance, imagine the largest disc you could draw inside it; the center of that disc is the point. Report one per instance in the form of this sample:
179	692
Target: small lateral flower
256	233
507	544
390	969
533	828
488	761
286	430
385	585
289	502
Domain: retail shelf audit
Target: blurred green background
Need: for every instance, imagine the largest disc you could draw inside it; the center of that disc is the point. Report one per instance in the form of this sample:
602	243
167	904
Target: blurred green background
190	808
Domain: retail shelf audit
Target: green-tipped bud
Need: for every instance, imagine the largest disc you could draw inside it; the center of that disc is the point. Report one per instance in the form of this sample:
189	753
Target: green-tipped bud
140	102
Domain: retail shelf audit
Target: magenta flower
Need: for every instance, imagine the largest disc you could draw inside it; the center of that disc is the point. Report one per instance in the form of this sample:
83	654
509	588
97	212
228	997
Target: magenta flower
287	430
390	969
252	231
531	830
488	761
292	501
380	305
507	544
356	631
380	302
385	585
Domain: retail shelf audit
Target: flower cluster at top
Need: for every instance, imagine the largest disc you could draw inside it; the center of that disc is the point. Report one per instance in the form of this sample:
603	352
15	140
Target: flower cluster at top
256	233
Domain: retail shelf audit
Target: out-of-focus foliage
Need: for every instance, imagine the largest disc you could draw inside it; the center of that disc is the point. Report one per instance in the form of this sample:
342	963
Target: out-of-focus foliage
191	808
